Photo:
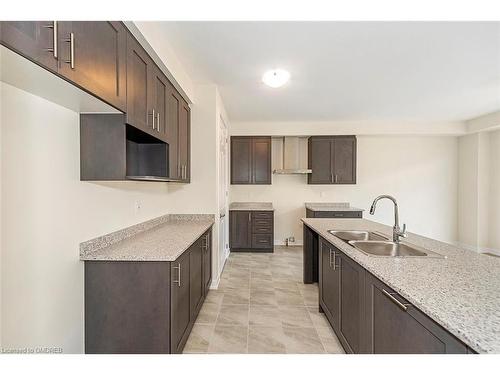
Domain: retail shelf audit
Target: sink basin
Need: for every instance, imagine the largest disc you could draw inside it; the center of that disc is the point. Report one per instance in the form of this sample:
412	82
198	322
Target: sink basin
391	249
358	235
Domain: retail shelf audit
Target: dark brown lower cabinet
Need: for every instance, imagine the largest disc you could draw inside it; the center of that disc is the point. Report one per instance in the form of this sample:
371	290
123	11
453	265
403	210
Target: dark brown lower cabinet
342	295
329	284
207	261
396	327
251	231
145	307
370	317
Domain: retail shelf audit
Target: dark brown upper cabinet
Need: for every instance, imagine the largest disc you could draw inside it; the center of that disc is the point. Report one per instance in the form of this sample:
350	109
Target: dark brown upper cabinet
37	41
104	59
332	160
160	89
93	55
183	139
178	133
139	71
250	160
172	126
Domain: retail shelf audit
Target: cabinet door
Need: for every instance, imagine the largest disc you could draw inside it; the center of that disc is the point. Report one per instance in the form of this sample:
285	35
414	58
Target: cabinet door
320	160
173	110
160	90
139	65
240	229
344	160
241	160
95	59
329	283
396	327
261	160
196	283
184	135
352	280
36	41
207	261
180	302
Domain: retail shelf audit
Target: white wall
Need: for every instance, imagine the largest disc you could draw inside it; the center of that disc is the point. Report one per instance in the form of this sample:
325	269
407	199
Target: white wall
494	213
46	211
420	171
468	189
479	191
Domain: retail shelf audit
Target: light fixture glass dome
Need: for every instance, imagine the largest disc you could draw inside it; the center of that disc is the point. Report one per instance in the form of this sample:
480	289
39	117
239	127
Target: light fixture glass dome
276	77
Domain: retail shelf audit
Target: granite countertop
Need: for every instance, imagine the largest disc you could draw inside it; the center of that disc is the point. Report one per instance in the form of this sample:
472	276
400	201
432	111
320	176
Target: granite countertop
251	206
161	239
326	206
460	292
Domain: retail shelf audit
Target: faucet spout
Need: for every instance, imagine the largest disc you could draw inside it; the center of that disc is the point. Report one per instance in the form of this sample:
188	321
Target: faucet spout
397	232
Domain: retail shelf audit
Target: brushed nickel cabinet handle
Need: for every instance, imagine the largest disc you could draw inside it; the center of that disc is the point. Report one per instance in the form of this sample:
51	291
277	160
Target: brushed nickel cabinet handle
54	38
336	178
334	261
402	306
158	123
330	258
178	281
71	41
249	217
154	116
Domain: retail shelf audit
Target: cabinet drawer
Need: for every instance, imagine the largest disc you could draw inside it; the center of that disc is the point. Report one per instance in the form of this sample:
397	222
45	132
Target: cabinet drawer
262	222
262	241
338	214
262	215
259	229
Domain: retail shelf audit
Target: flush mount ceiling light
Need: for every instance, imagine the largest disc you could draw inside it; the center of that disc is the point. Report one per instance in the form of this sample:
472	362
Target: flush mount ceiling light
275	78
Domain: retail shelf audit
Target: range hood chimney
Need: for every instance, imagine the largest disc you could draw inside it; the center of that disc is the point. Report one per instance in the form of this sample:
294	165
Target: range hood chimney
292	163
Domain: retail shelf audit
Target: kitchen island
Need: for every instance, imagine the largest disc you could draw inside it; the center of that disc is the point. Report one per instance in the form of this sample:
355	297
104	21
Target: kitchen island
458	293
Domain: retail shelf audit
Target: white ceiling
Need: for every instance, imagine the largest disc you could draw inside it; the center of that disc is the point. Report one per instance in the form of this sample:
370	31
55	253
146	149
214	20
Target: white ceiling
346	71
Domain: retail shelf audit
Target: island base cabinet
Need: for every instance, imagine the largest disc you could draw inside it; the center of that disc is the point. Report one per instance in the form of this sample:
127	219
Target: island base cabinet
144	307
368	317
341	296
396	327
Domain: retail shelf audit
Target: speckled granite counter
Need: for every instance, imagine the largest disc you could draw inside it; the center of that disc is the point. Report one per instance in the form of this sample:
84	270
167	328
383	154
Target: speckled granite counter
160	239
460	292
251	206
324	206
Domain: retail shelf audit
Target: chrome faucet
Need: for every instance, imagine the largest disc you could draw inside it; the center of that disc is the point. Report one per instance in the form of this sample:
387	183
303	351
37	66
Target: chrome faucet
396	231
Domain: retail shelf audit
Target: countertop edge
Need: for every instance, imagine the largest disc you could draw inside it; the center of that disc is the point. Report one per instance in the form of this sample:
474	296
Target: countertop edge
96	255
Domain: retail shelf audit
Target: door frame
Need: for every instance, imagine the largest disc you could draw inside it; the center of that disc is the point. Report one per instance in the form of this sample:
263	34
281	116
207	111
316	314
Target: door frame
223	195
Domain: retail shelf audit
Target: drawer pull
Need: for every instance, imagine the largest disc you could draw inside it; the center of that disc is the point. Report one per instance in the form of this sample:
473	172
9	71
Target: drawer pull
71	41
402	306
54	39
178	281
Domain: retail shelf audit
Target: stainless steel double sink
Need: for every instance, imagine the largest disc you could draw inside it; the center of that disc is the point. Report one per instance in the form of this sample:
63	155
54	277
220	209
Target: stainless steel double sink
379	245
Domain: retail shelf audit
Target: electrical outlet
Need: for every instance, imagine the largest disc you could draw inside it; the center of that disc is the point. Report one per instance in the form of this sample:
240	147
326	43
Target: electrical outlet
137	207
321	194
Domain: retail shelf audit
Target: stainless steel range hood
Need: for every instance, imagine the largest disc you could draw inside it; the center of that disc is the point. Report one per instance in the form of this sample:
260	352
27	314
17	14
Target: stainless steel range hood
293	157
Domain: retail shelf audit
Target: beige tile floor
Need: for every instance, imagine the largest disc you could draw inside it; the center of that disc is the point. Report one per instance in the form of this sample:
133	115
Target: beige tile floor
262	306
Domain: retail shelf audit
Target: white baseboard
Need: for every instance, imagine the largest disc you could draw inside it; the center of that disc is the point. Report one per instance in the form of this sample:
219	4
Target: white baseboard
215	282
283	243
477	249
